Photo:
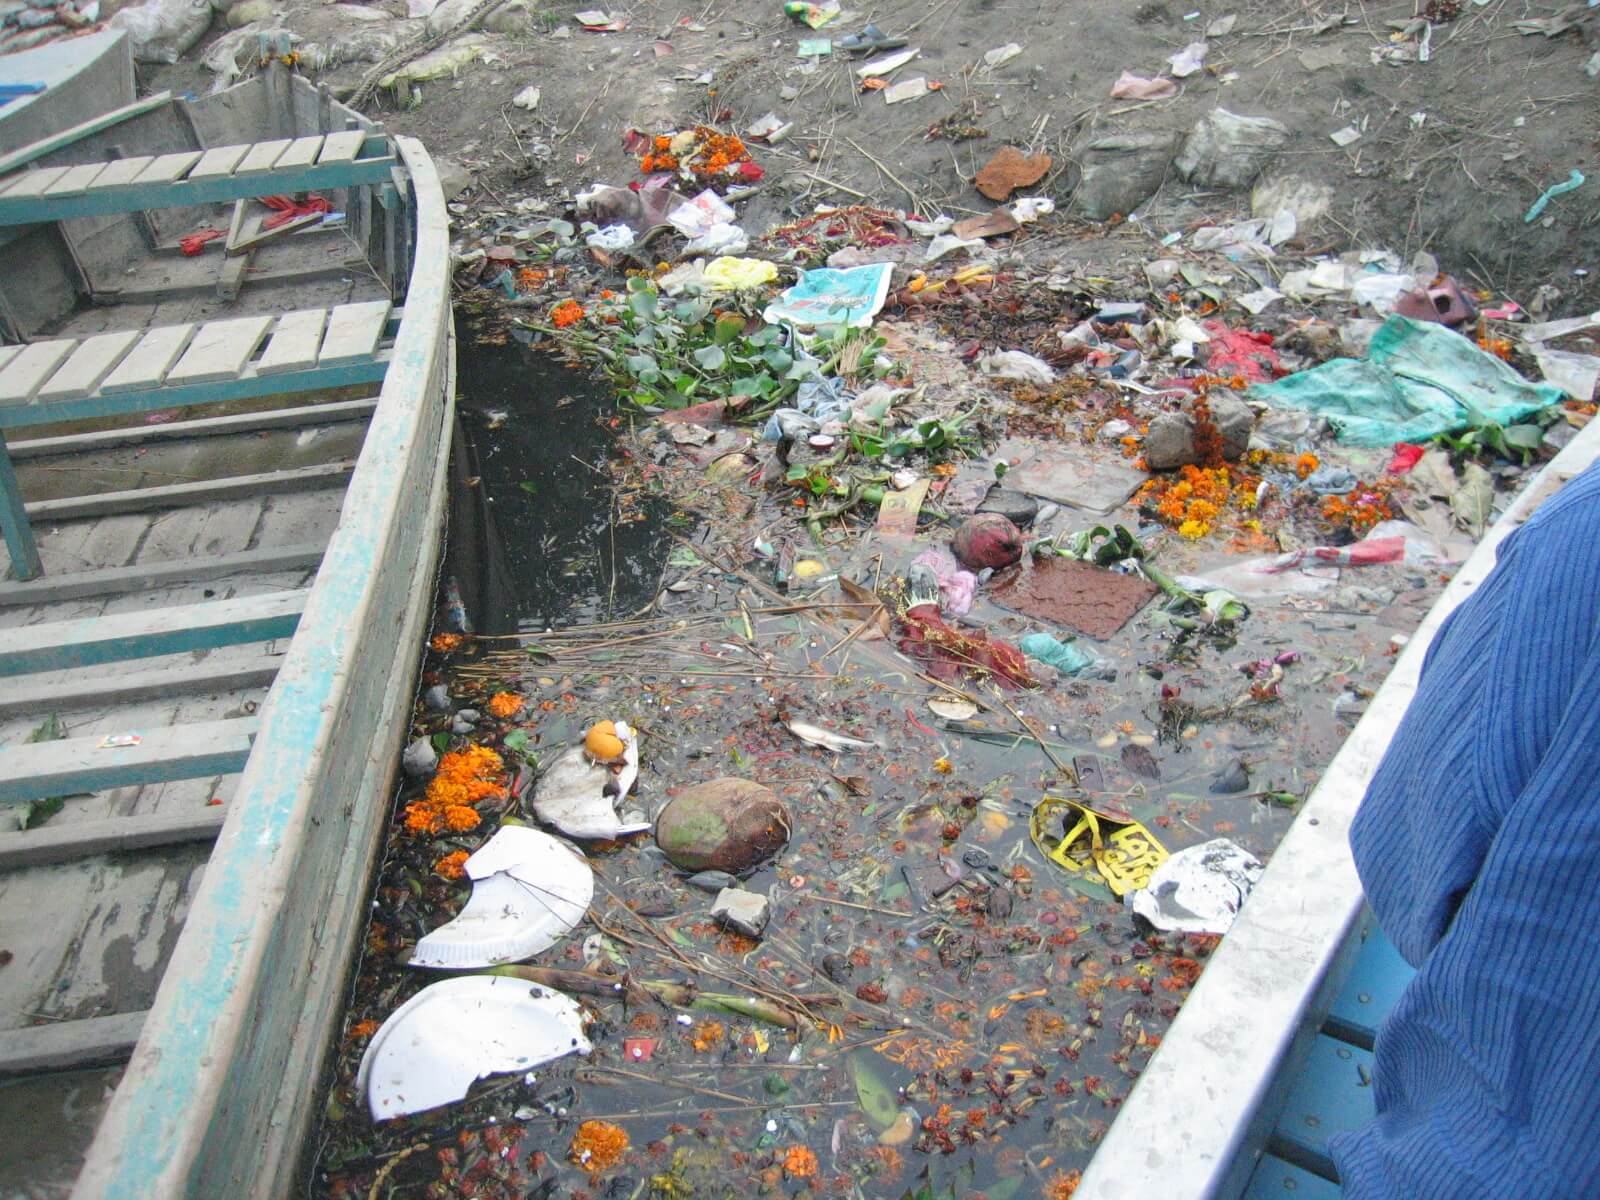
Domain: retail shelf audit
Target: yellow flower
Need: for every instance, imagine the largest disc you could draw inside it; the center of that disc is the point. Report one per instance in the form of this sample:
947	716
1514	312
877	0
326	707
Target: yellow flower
1194	530
943	766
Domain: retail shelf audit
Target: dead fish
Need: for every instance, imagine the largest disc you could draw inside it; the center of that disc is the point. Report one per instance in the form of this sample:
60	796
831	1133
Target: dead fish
816	735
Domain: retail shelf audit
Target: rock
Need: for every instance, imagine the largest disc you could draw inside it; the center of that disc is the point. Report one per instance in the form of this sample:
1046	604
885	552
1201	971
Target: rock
514	18
466	721
1119	173
1234	420
712	881
453	177
1227	150
987	540
420	759
741	911
723	825
1169	442
1015	507
1235	777
437	698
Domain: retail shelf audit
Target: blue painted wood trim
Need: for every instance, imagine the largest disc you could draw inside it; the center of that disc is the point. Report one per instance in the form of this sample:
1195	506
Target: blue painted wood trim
199	1101
1332	1094
1371	991
139	197
14	521
20	416
1275	1179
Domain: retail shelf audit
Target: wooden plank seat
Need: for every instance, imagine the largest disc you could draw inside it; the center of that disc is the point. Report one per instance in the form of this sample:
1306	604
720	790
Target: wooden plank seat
177	366
38	770
354	158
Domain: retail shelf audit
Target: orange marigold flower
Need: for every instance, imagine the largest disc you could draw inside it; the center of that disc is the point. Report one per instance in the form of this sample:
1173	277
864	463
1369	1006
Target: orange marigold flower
1306	464
451	865
799	1163
504	704
598	1146
443	643
568	312
458	818
1063	1184
361	1029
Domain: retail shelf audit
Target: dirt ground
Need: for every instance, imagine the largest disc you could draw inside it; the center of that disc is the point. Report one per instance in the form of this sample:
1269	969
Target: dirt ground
1453	151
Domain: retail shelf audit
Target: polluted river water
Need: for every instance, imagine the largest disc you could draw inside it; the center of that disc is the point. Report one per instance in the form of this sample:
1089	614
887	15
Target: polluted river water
935	1008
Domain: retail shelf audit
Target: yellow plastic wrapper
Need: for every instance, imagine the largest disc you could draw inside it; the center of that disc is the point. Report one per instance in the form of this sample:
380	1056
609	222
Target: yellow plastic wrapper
1121	854
729	274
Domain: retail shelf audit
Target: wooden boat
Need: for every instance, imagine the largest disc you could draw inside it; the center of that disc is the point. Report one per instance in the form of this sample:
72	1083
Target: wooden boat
222	480
1271	1055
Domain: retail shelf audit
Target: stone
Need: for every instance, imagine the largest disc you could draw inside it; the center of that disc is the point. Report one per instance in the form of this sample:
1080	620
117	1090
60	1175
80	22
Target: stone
1017	507
1235	420
466	721
437	698
1119	173
1227	150
453	177
741	911
1169	442
420	759
723	824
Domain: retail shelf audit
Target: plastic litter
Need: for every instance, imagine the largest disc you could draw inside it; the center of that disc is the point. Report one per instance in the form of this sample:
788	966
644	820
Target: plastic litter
1096	846
1200	889
451	1034
529	890
1019	365
728	274
612	237
695	218
828	297
1417	381
1189	60
1573	183
1065	657
957	588
1135	87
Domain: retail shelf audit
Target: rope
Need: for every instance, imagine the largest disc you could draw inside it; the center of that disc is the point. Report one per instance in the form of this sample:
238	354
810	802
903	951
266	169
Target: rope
399	58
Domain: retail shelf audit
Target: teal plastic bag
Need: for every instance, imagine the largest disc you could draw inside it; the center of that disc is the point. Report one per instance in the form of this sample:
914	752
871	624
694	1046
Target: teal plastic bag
1418	380
1063	656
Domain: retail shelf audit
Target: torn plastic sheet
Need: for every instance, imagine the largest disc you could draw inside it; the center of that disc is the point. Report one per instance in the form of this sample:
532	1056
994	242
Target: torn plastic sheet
433	1048
529	890
1199	889
827	297
1418	380
584	799
1096	846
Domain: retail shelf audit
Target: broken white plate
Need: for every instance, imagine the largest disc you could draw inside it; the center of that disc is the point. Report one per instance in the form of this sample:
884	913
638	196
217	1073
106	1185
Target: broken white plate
529	890
582	798
434	1047
1198	890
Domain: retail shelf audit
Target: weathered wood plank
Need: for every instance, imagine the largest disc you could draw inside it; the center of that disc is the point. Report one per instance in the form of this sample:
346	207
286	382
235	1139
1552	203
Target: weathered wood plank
40	769
220	350
76	179
148	362
7	353
294	343
218	161
91	362
28	697
168	167
60	645
302	152
63	843
233	487
122	171
144	577
263	156
24	373
354	331
342	147
298	416
70	1045
34	183
26	154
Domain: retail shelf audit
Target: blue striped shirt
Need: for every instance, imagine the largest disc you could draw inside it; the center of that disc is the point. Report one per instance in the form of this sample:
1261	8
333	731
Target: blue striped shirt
1478	845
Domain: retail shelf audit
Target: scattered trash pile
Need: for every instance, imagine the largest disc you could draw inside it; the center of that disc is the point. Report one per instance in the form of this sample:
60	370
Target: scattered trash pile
1012	611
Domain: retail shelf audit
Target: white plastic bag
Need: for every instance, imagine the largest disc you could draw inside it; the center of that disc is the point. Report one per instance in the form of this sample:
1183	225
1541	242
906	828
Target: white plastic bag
162	30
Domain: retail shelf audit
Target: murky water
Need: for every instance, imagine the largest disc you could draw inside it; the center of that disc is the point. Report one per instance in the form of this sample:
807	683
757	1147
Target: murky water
974	1013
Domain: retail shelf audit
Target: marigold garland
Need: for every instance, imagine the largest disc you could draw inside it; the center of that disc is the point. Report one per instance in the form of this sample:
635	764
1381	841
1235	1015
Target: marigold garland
452	865
568	312
799	1163
504	705
598	1146
464	778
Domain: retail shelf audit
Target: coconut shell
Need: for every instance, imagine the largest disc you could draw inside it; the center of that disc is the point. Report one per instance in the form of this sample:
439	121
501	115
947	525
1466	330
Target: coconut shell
722	825
987	540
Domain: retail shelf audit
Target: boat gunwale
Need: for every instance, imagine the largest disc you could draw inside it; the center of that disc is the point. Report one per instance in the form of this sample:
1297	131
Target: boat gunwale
1201	1112
158	1137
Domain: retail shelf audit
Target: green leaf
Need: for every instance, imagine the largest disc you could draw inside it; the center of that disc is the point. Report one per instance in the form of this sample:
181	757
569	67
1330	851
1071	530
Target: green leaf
727	329
441	742
712	358
683	556
516	740
642	365
642	303
529	486
878	1100
778	359
1524	437
36	812
50	730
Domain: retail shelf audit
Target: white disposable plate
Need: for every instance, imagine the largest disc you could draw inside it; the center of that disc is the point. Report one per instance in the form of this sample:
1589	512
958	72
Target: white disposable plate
433	1048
